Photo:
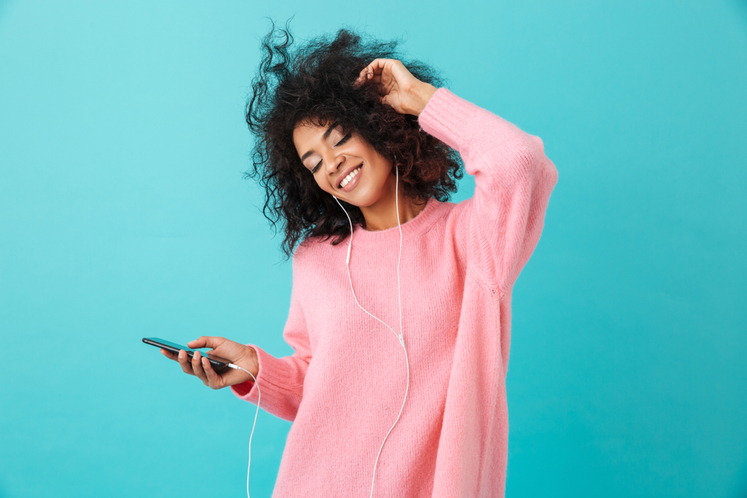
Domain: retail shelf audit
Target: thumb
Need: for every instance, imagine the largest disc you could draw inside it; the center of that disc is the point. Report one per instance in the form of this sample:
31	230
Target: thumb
206	342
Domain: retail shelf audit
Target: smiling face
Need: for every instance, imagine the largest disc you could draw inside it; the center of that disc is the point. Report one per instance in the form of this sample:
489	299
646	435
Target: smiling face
344	164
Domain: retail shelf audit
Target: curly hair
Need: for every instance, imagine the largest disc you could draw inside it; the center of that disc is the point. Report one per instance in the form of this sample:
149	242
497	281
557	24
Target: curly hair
314	83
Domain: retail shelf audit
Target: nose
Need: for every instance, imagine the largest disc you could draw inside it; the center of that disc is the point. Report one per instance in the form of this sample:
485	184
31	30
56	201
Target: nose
335	164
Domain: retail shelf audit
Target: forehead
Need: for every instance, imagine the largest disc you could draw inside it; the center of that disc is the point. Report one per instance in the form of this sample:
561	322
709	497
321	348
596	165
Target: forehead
308	127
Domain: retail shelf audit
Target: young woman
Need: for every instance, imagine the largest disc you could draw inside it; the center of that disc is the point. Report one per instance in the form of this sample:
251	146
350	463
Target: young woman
400	313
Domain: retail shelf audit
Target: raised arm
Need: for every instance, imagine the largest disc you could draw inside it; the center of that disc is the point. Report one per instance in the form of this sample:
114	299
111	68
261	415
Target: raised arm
513	182
513	177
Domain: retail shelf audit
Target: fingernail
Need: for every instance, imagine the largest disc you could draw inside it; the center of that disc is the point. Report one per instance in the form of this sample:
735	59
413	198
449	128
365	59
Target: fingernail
181	355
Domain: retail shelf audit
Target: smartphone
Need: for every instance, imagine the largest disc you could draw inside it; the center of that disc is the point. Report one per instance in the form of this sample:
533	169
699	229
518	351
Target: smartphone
219	364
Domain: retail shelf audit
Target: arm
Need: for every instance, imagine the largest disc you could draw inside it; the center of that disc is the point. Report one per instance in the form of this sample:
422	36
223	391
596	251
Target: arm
513	177
513	182
280	379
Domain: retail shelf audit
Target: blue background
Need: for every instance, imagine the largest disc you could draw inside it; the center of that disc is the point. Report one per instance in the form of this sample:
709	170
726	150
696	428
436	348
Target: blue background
123	214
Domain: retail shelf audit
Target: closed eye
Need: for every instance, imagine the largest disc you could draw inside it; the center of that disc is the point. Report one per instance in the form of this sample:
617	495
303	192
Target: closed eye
343	140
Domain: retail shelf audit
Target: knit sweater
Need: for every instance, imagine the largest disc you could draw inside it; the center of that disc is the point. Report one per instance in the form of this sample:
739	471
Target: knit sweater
344	384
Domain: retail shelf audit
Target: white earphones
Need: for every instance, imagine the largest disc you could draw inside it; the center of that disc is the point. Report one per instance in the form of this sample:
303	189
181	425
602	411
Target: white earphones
400	336
259	399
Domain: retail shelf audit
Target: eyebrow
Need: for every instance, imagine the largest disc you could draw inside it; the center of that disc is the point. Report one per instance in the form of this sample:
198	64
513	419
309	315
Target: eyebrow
324	137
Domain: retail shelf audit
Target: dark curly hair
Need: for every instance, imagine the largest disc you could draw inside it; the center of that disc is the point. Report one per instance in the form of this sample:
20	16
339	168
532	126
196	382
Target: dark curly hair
314	83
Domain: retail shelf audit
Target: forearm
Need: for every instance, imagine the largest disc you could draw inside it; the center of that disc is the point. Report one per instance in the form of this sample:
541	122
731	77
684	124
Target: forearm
513	182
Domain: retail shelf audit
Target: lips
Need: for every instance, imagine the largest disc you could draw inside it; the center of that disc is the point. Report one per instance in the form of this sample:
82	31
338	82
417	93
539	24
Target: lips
345	173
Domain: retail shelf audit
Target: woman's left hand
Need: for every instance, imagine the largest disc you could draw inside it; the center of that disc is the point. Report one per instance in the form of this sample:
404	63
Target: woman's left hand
400	89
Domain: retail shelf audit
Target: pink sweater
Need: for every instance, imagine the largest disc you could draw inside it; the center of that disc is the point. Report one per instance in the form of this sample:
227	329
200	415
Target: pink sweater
343	386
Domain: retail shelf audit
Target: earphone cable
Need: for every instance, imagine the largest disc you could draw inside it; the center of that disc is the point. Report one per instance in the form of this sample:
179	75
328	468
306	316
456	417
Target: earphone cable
259	398
399	336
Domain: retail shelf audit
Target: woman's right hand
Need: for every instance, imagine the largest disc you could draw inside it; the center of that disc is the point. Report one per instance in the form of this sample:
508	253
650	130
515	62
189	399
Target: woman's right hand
399	88
200	367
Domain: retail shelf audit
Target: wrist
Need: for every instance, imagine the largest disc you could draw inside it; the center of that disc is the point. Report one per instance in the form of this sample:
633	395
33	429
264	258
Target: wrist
250	362
423	93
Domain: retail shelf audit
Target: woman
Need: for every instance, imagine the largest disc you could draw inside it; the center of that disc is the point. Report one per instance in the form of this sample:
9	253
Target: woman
401	336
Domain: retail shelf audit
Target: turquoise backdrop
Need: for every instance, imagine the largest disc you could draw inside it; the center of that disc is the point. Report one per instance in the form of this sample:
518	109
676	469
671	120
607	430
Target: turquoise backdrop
123	214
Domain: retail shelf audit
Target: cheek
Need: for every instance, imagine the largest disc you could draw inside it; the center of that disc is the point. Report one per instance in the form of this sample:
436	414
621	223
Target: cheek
322	184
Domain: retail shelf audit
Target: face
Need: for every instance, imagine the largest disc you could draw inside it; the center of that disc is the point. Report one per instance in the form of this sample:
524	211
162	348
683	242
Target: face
344	164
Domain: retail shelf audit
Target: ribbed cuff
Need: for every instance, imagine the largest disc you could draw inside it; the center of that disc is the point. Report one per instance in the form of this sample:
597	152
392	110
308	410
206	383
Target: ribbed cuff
273	387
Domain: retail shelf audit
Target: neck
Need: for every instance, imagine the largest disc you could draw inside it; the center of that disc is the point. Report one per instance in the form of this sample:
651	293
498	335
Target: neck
382	214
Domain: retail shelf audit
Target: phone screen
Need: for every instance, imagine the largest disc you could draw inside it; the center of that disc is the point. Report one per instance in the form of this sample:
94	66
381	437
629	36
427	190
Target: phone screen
217	362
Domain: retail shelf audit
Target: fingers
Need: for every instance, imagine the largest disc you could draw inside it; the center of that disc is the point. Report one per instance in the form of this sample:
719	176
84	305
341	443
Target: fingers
213	379
373	70
169	355
199	366
204	370
199	372
184	362
363	76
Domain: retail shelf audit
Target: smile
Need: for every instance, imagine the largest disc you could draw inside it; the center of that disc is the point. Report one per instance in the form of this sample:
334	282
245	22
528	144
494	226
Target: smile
350	177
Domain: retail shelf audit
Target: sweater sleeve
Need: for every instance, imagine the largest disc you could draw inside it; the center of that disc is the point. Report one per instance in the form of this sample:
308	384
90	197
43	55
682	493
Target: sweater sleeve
513	182
281	379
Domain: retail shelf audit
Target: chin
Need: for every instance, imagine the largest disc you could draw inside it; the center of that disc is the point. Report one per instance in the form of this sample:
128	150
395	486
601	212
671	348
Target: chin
364	195
363	199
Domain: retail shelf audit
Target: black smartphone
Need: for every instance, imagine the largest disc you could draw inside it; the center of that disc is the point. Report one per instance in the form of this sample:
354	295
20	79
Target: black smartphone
219	364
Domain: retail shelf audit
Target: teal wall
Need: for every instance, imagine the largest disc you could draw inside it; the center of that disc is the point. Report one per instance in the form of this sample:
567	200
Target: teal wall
123	214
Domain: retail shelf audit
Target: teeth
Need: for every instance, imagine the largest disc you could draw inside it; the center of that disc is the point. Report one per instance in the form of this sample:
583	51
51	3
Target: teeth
349	177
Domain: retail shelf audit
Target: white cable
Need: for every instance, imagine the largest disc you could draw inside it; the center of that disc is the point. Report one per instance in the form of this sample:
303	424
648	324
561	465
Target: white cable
259	398
400	337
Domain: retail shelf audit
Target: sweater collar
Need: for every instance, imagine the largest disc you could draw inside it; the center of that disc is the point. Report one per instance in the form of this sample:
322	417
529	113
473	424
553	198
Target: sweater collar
416	226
